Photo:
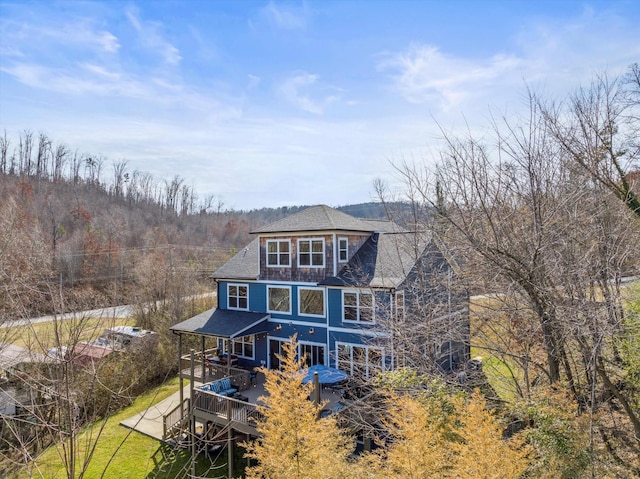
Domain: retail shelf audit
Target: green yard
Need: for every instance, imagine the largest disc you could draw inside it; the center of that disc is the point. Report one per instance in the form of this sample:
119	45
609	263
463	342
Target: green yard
122	453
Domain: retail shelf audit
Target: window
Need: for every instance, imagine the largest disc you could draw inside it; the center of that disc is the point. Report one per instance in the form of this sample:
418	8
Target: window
312	354
238	296
357	306
343	250
400	305
311	302
244	346
278	253
311	253
359	359
278	299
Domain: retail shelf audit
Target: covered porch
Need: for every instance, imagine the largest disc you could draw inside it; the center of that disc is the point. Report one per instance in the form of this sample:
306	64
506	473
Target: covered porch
224	343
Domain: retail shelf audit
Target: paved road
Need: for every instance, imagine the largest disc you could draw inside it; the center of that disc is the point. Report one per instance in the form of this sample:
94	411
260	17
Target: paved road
113	312
124	311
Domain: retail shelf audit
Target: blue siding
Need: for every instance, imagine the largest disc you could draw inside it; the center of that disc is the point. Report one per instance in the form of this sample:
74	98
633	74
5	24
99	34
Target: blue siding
257	297
335	307
222	294
290	324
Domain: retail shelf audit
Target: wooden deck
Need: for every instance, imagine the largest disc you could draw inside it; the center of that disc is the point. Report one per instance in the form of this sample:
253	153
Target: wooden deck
168	419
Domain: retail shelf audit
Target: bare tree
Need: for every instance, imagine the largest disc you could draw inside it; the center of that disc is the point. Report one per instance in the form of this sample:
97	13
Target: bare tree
59	159
4	149
25	150
538	230
42	155
120	176
598	129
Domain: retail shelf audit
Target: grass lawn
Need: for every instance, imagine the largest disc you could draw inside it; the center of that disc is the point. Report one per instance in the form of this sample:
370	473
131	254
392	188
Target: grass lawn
40	337
123	453
492	331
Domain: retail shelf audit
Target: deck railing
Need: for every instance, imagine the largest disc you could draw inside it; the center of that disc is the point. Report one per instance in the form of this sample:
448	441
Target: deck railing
175	418
226	407
212	371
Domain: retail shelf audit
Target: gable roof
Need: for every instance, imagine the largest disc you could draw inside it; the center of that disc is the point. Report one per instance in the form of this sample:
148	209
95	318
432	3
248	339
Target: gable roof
384	261
318	218
224	323
244	265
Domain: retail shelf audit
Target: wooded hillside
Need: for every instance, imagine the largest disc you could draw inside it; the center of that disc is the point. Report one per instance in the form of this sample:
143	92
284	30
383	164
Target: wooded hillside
98	234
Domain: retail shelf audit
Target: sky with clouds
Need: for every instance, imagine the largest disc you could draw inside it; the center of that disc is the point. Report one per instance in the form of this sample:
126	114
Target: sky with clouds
269	103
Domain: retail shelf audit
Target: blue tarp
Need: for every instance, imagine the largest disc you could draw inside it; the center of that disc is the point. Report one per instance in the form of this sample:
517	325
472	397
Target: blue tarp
326	374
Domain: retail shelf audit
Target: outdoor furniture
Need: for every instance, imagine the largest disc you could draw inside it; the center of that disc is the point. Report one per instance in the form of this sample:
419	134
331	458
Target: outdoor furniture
326	375
225	358
221	386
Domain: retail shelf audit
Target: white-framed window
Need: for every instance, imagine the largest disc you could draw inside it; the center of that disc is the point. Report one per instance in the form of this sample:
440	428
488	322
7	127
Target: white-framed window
343	250
311	302
399	305
244	346
278	253
313	353
360	359
311	252
357	306
279	299
238	296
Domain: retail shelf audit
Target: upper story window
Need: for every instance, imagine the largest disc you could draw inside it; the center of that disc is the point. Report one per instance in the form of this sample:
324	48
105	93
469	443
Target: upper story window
311	252
279	299
343	249
400	305
311	301
238	296
278	253
357	306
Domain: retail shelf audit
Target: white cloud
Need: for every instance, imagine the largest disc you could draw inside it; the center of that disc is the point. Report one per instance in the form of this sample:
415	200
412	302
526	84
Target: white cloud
425	74
288	18
108	42
557	55
151	37
298	89
254	81
78	33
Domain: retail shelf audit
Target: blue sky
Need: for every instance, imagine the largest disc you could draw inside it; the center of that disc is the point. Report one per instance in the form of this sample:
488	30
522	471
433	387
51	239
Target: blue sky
267	104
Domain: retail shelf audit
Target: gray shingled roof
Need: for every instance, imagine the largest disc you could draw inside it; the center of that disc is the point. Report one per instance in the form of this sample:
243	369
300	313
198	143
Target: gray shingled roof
224	323
317	218
384	261
244	265
12	355
382	264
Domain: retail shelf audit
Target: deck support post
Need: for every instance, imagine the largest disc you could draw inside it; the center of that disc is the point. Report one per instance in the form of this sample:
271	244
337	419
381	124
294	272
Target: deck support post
192	419
204	377
180	369
229	436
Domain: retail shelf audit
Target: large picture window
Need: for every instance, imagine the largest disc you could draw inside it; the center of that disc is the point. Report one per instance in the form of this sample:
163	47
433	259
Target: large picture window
278	299
357	306
359	359
311	252
311	301
238	296
278	253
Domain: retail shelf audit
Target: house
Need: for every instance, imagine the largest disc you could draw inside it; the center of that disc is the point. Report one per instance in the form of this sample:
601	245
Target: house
345	286
87	354
360	295
127	337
